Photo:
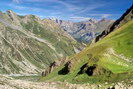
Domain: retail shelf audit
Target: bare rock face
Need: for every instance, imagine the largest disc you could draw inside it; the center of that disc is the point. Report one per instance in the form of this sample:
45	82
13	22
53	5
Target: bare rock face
53	66
127	16
50	69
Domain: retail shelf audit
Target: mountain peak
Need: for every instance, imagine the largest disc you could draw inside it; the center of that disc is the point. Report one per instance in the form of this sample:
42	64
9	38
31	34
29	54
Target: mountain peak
10	12
93	20
12	15
103	19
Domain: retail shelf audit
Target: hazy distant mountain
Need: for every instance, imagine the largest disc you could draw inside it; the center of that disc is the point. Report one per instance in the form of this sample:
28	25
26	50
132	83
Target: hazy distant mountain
84	31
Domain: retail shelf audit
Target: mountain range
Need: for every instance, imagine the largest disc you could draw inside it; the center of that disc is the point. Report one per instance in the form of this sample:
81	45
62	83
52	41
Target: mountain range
56	53
31	43
84	31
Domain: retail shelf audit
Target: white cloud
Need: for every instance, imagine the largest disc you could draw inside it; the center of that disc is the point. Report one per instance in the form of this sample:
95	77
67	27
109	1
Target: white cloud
71	7
67	5
28	8
88	18
35	9
91	7
74	9
80	18
100	15
106	15
16	1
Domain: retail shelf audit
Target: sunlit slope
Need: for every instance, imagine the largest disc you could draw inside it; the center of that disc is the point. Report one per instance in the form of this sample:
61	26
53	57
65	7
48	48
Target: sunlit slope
110	59
115	52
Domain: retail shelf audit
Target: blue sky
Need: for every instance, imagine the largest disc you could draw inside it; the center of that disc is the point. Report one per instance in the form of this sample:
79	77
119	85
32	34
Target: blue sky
75	10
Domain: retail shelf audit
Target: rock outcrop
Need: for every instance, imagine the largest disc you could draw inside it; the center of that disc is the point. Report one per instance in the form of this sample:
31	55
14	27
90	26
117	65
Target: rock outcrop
53	66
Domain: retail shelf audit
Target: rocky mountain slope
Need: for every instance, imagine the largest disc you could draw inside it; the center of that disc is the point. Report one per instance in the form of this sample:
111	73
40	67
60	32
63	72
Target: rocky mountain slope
84	31
28	45
108	61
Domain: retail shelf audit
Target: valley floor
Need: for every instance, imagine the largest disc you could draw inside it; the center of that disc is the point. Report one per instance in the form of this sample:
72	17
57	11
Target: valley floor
11	83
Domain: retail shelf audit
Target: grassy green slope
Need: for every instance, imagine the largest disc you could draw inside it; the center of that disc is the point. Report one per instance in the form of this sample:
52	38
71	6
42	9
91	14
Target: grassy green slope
113	56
